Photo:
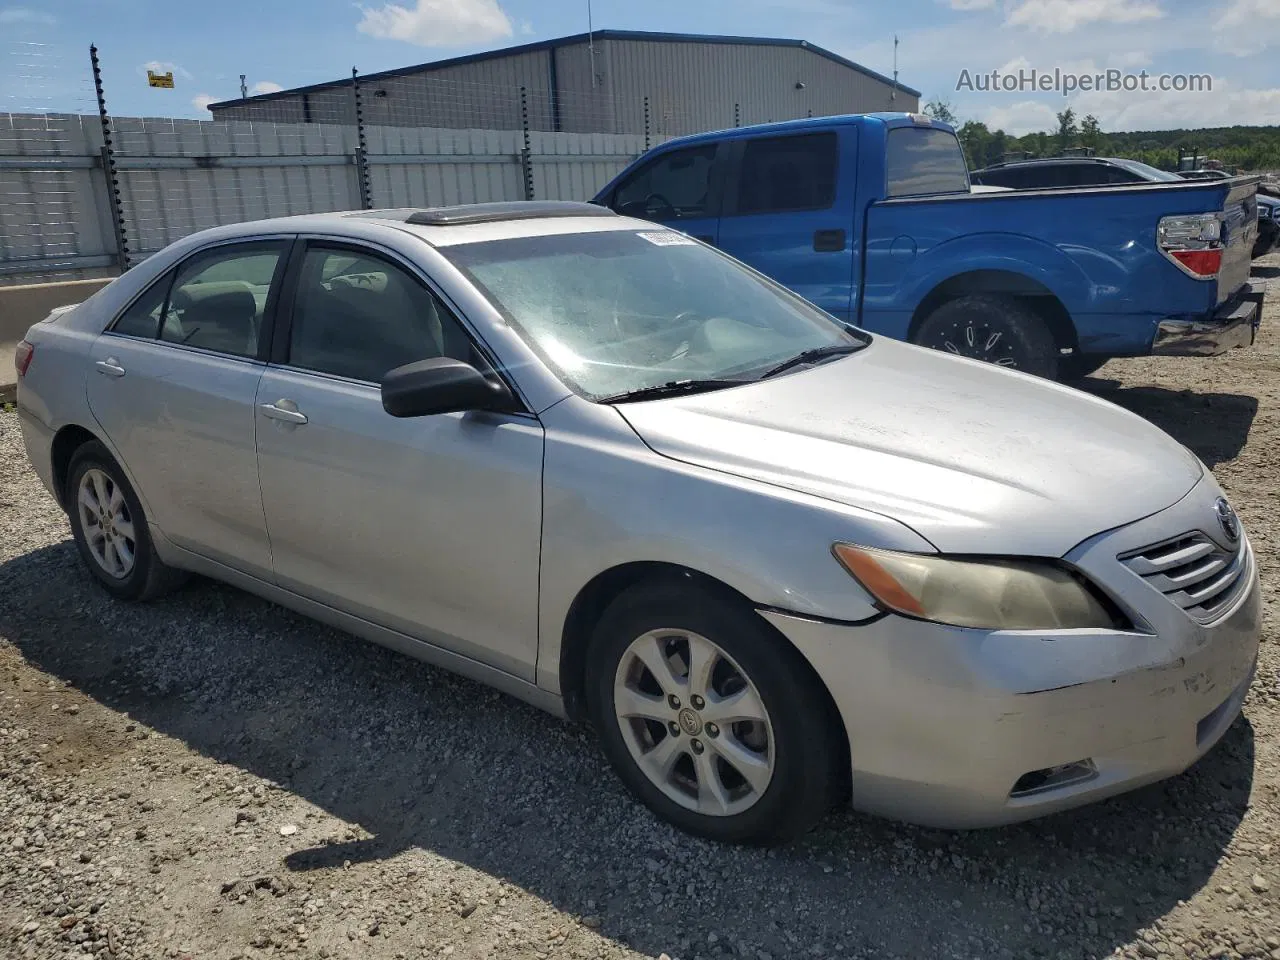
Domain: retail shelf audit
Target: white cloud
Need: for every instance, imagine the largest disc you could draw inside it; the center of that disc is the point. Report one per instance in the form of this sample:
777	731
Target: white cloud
202	101
971	4
1022	117
1247	27
526	28
1063	16
15	15
1130	60
264	86
437	23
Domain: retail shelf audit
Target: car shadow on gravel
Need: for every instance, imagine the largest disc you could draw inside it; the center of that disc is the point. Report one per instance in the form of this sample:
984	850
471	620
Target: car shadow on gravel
1215	425
420	758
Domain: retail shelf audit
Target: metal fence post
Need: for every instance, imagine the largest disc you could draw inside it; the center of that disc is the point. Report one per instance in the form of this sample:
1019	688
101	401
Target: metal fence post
109	171
646	123
362	146
526	155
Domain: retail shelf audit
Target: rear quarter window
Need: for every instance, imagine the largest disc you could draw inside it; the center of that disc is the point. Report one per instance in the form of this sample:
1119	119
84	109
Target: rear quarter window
924	160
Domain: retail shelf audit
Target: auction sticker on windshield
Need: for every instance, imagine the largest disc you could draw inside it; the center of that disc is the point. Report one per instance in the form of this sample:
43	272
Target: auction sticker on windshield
669	238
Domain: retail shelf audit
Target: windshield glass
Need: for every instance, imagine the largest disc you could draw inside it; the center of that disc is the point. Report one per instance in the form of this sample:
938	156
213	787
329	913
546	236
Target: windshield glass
621	311
1146	171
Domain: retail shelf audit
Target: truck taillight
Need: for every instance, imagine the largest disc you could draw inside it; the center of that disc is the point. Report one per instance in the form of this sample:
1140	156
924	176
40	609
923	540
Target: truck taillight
1193	243
22	357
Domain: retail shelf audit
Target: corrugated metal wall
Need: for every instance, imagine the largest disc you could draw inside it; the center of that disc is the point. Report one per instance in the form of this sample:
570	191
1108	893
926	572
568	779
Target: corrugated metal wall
691	87
180	176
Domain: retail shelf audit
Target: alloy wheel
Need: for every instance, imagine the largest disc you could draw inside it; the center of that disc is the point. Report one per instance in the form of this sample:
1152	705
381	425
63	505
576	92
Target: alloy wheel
694	722
107	523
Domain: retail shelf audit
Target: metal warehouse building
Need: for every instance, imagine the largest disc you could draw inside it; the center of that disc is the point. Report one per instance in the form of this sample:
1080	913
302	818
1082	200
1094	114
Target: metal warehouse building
610	81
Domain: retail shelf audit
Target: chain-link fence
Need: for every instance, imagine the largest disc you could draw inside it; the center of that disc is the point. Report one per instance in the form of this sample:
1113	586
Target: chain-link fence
84	193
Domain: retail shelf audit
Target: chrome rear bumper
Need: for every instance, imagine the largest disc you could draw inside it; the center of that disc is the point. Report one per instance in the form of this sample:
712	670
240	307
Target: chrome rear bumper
1233	326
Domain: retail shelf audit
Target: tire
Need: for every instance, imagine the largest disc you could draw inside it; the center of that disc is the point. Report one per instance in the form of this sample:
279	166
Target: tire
996	329
1079	366
143	577
799	735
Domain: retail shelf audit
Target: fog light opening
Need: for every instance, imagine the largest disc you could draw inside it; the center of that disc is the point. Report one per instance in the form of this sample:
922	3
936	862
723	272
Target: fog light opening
1053	778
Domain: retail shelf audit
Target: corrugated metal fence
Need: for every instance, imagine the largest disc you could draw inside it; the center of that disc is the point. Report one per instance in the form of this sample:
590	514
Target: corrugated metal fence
174	177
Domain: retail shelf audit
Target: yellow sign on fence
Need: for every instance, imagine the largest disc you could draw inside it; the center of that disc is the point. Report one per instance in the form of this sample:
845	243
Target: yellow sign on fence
160	79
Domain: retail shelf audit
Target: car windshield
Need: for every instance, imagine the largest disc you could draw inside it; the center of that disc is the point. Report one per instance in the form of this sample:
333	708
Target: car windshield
625	311
1146	171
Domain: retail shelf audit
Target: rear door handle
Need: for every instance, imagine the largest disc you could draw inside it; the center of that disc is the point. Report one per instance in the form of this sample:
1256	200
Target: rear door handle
110	367
284	410
828	241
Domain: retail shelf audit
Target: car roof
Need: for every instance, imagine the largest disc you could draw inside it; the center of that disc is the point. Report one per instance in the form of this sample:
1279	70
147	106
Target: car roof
795	126
449	225
1049	161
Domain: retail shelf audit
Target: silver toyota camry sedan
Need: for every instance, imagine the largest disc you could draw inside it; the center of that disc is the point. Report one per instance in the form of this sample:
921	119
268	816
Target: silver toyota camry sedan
776	562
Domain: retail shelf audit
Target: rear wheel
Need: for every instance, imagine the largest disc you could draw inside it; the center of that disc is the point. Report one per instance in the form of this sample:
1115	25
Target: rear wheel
995	329
711	719
110	528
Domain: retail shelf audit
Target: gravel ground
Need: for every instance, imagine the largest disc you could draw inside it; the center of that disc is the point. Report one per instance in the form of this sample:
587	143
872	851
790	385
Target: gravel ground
211	776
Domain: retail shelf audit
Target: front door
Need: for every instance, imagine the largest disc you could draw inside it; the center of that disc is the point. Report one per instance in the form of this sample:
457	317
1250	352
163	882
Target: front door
679	189
430	526
172	384
789	212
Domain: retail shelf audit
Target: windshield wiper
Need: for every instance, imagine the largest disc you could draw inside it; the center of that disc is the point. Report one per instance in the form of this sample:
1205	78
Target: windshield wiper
812	356
671	389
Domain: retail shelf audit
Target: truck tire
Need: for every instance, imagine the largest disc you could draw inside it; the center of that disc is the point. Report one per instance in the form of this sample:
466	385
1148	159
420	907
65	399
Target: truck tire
995	329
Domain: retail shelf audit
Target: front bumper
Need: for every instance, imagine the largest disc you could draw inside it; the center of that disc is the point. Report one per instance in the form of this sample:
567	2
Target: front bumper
943	723
1235	324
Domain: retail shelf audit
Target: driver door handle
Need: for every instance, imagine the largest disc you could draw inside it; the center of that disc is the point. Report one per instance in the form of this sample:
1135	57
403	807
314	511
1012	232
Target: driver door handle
110	367
285	411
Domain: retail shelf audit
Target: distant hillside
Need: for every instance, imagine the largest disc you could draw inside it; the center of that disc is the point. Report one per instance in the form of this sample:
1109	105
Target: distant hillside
1242	149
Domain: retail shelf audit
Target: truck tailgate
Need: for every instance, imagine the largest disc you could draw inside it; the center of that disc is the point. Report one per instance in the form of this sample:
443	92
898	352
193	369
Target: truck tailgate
1241	211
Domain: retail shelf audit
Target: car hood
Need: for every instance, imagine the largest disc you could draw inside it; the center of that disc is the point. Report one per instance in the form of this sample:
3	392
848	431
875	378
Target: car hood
974	458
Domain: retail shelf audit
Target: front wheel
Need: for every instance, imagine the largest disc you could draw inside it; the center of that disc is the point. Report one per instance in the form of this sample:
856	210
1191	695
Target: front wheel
712	720
996	329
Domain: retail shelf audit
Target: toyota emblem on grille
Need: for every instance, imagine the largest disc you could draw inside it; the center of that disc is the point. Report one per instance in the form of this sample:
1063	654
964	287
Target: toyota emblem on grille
1227	519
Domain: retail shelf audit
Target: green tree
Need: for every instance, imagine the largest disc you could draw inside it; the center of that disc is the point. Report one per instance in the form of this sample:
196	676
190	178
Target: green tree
976	140
1068	129
1091	132
940	109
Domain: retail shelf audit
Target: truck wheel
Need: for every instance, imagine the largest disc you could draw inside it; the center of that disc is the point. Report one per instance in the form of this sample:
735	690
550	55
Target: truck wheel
996	329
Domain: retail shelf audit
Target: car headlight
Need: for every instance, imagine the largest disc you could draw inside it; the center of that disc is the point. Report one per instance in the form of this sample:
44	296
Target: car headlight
986	594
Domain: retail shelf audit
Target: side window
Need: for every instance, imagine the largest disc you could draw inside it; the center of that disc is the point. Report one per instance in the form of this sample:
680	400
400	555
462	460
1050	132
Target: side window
142	319
1120	175
788	173
219	298
676	186
358	315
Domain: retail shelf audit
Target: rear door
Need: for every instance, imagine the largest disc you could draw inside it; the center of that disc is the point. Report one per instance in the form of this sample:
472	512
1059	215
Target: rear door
172	385
789	211
680	189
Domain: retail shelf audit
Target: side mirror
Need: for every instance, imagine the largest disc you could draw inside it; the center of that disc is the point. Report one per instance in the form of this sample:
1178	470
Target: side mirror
440	385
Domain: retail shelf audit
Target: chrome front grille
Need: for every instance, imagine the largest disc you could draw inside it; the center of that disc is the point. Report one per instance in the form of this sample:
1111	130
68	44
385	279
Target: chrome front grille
1194	572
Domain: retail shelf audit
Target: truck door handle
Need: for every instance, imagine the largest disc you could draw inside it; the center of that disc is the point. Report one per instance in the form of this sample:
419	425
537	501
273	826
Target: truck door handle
285	411
828	241
110	367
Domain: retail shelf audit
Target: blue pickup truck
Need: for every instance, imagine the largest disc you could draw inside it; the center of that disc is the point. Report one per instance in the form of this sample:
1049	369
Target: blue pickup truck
872	217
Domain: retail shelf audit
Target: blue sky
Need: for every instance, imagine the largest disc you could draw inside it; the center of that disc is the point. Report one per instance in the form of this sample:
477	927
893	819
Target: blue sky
283	43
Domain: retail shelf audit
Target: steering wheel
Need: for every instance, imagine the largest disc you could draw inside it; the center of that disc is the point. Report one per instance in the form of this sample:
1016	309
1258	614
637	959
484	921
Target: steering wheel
666	209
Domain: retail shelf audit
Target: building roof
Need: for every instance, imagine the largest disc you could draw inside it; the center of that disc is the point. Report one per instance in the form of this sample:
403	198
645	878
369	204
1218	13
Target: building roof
569	41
